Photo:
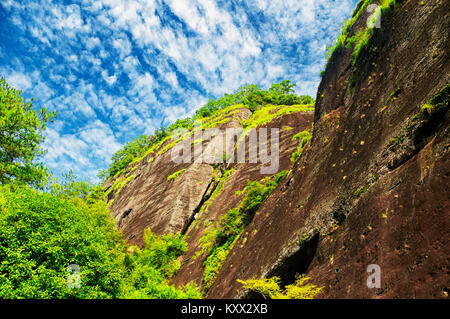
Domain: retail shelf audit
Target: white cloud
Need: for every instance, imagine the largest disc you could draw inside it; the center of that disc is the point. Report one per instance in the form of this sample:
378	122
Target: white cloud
91	148
92	42
19	81
275	71
172	79
122	45
122	65
109	79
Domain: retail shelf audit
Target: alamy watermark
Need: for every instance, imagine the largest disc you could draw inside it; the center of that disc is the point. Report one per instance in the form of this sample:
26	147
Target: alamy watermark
74	279
374	20
374	279
228	146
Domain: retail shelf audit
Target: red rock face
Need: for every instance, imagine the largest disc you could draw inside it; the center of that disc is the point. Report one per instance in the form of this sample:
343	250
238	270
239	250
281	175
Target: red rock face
192	267
150	200
371	186
361	199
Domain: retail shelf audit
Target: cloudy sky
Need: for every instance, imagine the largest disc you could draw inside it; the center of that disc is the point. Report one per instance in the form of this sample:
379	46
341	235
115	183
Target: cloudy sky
116	69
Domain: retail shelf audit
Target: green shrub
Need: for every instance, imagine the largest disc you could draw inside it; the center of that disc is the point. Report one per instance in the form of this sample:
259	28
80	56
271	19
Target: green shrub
150	268
347	25
42	233
175	175
213	263
304	137
361	190
270	288
438	100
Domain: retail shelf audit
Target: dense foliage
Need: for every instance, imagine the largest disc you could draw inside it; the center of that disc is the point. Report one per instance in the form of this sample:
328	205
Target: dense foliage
270	288
42	233
60	241
21	132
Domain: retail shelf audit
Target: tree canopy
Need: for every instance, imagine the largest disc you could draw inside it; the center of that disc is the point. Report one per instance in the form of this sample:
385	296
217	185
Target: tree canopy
43	233
21	133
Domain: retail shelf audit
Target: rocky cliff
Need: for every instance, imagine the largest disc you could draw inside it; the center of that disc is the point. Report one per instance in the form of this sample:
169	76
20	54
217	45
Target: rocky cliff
370	186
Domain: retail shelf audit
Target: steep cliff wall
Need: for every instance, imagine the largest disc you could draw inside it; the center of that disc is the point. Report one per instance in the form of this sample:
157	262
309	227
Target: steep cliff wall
370	187
146	196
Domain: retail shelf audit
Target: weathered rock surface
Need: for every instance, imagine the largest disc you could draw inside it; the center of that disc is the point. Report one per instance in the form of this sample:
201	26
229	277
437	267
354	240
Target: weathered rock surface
192	267
371	187
399	220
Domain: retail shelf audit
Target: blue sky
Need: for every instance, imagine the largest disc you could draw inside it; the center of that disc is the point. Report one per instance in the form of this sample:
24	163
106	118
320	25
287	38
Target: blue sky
116	69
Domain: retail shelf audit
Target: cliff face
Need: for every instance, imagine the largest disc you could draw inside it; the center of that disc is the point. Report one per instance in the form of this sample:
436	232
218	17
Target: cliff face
148	197
370	187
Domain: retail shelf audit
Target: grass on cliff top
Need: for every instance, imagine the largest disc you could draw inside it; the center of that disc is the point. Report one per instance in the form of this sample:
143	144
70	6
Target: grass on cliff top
266	114
361	37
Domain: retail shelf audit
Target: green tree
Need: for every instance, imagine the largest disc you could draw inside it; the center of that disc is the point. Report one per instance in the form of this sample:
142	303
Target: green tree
21	133
284	87
136	147
42	233
306	99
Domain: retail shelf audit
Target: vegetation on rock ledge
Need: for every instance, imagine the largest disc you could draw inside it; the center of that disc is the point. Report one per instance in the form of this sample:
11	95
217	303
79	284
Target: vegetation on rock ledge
219	239
269	288
262	103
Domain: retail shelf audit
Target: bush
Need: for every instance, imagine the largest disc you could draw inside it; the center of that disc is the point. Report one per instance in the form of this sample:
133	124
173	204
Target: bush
150	268
236	219
42	233
270	288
